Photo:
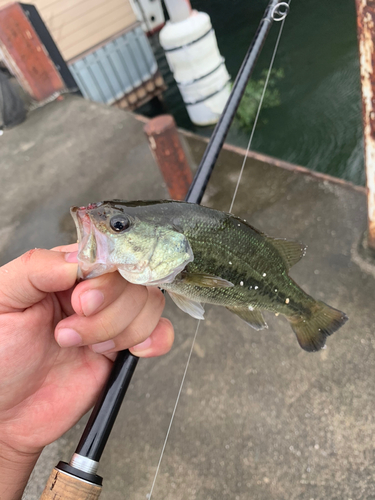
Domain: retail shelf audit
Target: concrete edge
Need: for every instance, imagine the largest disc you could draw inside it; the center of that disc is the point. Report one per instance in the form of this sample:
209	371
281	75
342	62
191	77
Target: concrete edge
270	159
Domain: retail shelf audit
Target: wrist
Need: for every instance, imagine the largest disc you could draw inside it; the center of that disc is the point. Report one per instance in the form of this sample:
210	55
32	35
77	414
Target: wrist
15	470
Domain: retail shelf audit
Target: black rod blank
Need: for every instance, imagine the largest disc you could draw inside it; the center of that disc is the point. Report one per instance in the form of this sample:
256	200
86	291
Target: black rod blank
103	416
203	174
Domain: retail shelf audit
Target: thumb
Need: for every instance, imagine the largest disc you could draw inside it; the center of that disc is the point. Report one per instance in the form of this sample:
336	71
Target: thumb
27	280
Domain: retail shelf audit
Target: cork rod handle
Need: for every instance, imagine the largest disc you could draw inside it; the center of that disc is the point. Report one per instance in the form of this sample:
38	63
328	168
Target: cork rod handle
61	486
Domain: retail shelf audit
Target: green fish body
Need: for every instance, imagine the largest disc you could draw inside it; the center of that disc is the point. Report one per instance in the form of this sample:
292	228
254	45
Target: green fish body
200	255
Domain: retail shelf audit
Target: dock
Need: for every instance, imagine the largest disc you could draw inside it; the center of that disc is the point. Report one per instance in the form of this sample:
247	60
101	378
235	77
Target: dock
258	417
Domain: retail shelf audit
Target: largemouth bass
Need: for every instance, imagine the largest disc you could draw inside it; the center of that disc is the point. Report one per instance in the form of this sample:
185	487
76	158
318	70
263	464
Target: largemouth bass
200	255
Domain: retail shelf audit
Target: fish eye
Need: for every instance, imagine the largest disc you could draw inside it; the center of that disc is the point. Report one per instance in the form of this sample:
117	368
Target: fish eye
119	223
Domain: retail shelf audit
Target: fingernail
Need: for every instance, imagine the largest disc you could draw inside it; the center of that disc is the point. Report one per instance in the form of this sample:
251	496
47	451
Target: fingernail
91	301
143	345
103	346
71	257
67	337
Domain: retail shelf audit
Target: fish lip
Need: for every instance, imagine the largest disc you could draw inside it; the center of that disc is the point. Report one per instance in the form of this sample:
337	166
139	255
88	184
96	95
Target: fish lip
92	266
75	213
90	206
78	223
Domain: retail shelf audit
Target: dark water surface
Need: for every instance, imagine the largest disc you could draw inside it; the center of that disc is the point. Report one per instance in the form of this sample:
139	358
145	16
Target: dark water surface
318	123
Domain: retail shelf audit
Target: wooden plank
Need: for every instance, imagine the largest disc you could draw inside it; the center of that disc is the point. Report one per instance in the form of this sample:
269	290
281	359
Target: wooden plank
25	55
72	22
78	25
87	38
69	10
3	3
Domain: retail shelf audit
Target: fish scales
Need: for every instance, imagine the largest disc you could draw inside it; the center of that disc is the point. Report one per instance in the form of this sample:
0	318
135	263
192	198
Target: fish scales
236	252
200	255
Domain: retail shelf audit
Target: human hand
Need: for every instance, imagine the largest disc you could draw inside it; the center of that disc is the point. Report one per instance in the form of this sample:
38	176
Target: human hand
48	384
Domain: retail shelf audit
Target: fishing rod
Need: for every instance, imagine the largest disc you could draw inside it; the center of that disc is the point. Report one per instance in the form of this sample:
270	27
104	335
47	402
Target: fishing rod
78	479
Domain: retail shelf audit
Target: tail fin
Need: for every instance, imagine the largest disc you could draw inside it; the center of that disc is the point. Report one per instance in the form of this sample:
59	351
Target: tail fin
313	330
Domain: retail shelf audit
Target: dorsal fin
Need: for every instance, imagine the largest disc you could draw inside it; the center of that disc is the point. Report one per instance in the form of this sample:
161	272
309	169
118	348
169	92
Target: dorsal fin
291	251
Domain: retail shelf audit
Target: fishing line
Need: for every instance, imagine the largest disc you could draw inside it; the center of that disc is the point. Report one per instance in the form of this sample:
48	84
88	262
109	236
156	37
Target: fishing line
278	15
174	410
282	19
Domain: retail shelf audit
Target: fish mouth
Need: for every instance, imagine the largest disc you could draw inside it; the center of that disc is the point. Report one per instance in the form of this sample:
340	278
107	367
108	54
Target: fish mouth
93	246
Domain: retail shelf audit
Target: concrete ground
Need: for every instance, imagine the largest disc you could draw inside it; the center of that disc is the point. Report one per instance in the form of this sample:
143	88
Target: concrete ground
258	417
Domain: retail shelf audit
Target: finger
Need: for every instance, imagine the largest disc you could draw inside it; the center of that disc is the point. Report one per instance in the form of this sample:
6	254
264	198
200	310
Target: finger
106	324
65	300
71	252
138	330
94	295
73	247
26	280
158	343
111	356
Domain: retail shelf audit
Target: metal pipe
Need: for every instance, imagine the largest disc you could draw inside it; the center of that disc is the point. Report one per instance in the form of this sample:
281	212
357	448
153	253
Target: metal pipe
105	411
213	149
366	42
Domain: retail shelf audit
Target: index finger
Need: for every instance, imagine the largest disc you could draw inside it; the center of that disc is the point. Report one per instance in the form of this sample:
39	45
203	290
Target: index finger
27	279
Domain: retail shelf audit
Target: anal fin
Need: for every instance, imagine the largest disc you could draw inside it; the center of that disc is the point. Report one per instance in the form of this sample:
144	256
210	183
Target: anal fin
253	317
189	306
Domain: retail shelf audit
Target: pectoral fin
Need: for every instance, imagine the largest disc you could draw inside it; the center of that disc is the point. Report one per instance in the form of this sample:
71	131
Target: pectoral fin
252	317
204	280
189	306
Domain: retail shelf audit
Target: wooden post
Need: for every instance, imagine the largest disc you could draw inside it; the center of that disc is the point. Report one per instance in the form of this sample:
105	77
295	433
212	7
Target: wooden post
62	486
366	41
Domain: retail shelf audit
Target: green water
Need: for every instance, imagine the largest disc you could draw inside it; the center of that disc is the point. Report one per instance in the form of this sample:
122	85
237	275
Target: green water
318	123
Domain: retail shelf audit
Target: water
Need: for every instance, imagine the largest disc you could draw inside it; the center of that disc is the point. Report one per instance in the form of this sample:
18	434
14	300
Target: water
318	123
